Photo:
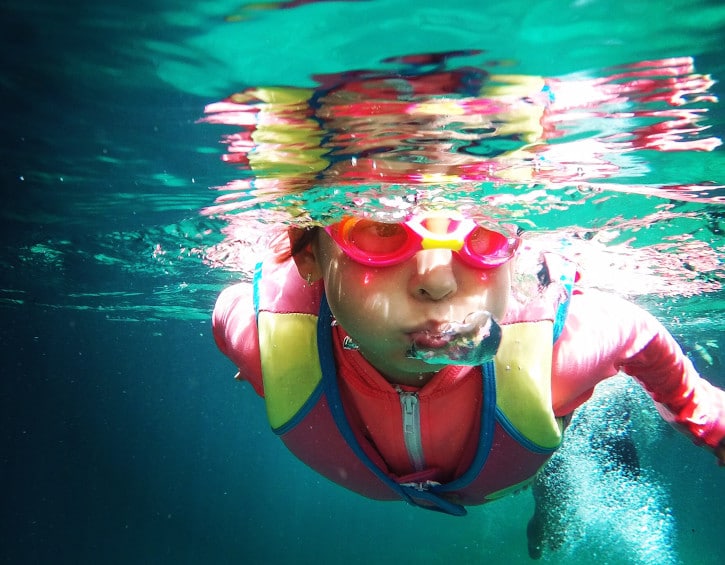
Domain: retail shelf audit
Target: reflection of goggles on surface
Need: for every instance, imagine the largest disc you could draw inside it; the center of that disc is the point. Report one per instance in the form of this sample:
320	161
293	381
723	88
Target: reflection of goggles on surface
380	244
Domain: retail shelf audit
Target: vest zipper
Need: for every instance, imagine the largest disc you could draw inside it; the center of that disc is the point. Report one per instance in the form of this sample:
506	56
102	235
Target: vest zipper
411	428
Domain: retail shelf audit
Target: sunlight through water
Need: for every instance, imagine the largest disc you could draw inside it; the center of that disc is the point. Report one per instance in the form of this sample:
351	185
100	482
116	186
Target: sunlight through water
445	131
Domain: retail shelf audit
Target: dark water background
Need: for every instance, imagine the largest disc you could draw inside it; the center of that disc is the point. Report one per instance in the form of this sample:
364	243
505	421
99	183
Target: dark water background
124	437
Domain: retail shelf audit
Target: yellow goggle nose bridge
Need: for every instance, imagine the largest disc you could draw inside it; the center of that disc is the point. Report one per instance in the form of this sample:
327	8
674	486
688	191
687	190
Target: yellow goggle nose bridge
436	233
442	241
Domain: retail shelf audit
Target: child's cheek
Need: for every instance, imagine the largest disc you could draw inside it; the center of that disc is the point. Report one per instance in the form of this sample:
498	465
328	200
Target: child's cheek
363	277
368	278
484	276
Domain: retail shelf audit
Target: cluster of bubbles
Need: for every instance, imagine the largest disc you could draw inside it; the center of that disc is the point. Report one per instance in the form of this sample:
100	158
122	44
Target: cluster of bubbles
594	498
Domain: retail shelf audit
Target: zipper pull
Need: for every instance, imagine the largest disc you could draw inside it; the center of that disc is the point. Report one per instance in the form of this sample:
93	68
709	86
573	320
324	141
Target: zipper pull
409	401
411	427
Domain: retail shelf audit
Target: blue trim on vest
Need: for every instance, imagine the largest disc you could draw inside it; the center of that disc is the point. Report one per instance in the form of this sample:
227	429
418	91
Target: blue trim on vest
302	412
566	279
520	439
560	319
485	436
329	380
256	282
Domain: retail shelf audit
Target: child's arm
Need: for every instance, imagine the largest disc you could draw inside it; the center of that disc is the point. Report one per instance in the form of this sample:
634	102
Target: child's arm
235	332
604	335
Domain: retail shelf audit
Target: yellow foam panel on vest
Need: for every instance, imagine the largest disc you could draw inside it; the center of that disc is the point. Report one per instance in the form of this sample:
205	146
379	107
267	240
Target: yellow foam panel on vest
523	381
288	344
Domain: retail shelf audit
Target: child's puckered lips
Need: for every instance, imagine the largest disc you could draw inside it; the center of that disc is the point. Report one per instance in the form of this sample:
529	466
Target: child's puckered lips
469	342
431	338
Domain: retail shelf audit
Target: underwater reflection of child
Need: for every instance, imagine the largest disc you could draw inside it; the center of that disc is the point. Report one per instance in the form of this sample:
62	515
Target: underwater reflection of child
402	362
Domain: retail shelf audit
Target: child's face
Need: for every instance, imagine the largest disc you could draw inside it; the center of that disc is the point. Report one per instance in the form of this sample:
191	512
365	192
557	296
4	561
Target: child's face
384	309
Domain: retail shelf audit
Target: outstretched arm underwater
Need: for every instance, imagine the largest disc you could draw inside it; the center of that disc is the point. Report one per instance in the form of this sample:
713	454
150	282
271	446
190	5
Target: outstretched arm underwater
604	335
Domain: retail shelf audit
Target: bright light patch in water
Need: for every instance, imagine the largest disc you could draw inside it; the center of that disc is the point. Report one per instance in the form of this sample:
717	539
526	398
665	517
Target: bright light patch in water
602	164
434	134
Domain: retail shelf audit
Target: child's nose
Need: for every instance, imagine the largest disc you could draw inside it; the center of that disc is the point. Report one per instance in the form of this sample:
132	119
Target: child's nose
434	278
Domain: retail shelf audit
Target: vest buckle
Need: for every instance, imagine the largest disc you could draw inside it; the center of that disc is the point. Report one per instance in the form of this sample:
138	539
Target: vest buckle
421	486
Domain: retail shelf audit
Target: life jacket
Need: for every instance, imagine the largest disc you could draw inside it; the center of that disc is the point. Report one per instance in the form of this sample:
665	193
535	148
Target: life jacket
518	429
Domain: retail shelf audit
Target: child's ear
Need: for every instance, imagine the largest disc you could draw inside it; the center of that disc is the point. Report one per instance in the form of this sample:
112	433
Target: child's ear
305	258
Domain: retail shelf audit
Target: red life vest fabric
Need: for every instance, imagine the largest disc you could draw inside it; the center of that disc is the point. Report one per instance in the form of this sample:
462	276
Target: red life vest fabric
345	421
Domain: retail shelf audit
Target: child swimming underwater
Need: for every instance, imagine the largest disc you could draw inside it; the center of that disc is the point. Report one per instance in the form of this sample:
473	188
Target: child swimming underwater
397	360
437	360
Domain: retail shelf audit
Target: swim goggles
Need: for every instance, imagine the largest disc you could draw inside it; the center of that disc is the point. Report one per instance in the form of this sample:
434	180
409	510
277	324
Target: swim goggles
381	244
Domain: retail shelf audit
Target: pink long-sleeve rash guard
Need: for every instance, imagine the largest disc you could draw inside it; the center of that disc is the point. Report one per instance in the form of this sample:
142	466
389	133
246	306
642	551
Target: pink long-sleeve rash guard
604	335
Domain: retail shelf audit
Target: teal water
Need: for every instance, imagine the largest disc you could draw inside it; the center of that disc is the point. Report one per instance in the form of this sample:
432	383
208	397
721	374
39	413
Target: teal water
125	439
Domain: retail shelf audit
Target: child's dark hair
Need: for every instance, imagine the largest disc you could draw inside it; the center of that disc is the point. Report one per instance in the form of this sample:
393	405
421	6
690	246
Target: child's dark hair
301	240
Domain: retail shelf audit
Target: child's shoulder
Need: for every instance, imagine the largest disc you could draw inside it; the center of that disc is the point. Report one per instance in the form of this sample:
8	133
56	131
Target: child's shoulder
234	306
